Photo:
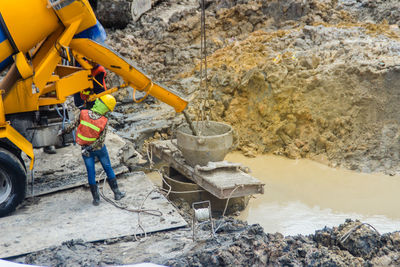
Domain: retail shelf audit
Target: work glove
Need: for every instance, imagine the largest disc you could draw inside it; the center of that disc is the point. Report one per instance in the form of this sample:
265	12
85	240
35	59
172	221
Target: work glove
86	151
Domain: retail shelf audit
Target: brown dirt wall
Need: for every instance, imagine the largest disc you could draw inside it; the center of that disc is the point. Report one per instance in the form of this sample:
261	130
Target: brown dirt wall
312	92
294	78
315	79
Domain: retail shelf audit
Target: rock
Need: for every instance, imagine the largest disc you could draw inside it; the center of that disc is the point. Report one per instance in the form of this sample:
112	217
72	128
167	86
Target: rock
363	242
114	13
127	152
292	152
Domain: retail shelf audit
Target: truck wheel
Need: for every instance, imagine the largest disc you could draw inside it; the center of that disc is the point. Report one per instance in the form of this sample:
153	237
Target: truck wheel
12	182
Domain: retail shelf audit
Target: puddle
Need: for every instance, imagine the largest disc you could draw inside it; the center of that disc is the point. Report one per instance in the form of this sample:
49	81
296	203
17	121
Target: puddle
302	196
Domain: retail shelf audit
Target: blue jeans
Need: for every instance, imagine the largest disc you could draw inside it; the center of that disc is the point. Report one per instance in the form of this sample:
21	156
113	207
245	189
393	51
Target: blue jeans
102	155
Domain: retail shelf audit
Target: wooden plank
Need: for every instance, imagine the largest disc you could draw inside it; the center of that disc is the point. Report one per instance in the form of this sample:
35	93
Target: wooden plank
222	183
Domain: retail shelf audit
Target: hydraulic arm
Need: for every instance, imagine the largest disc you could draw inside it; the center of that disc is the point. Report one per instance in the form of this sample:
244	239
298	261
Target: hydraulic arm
35	36
40	43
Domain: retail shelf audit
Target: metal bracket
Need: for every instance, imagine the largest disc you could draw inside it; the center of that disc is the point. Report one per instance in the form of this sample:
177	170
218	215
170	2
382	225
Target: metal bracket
7	131
201	215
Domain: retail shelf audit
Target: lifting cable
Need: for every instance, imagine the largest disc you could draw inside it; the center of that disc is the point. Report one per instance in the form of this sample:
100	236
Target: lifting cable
125	207
203	62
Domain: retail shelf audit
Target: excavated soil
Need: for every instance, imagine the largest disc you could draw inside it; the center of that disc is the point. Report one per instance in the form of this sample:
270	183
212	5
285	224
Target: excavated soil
315	79
327	247
235	244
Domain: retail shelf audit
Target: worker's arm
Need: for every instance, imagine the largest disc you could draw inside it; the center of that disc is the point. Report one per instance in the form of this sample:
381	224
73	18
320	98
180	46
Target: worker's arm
98	144
72	126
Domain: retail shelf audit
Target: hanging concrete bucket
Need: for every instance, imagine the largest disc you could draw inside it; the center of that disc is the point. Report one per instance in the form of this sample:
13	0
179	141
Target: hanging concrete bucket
213	143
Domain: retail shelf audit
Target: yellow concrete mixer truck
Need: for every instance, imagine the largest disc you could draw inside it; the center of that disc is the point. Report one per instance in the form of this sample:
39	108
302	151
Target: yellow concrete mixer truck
38	41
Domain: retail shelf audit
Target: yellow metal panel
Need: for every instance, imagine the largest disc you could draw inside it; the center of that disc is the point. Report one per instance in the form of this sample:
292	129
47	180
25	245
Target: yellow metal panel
6	131
78	10
112	61
65	87
2	113
81	60
28	21
17	139
53	78
49	88
24	68
20	98
46	47
48	64
74	83
5	50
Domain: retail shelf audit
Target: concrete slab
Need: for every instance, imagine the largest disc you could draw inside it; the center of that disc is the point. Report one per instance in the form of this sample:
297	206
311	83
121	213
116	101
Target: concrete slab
70	215
66	168
43	186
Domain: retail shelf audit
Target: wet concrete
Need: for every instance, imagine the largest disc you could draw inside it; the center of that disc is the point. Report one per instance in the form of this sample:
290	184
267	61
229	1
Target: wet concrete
302	196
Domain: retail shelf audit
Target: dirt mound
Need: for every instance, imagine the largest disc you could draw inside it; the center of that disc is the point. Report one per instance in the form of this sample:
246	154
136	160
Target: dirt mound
71	253
252	247
235	244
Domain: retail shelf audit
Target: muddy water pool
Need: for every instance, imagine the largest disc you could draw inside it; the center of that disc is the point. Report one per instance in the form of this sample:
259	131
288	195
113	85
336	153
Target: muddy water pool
302	196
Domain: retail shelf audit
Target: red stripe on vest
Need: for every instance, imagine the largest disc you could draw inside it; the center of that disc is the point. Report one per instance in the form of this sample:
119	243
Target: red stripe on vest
87	131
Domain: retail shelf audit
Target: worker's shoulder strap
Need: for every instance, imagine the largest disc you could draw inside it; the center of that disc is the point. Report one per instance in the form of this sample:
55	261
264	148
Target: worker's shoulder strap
99	69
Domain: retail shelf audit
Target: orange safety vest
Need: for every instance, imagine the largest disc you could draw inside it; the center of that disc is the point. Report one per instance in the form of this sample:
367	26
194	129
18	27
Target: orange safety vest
89	130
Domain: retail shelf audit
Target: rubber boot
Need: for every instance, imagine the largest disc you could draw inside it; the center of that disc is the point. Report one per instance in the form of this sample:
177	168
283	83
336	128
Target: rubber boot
95	193
114	187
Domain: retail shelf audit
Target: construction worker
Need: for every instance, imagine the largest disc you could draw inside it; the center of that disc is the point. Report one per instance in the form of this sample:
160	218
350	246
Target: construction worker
99	85
91	134
80	99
